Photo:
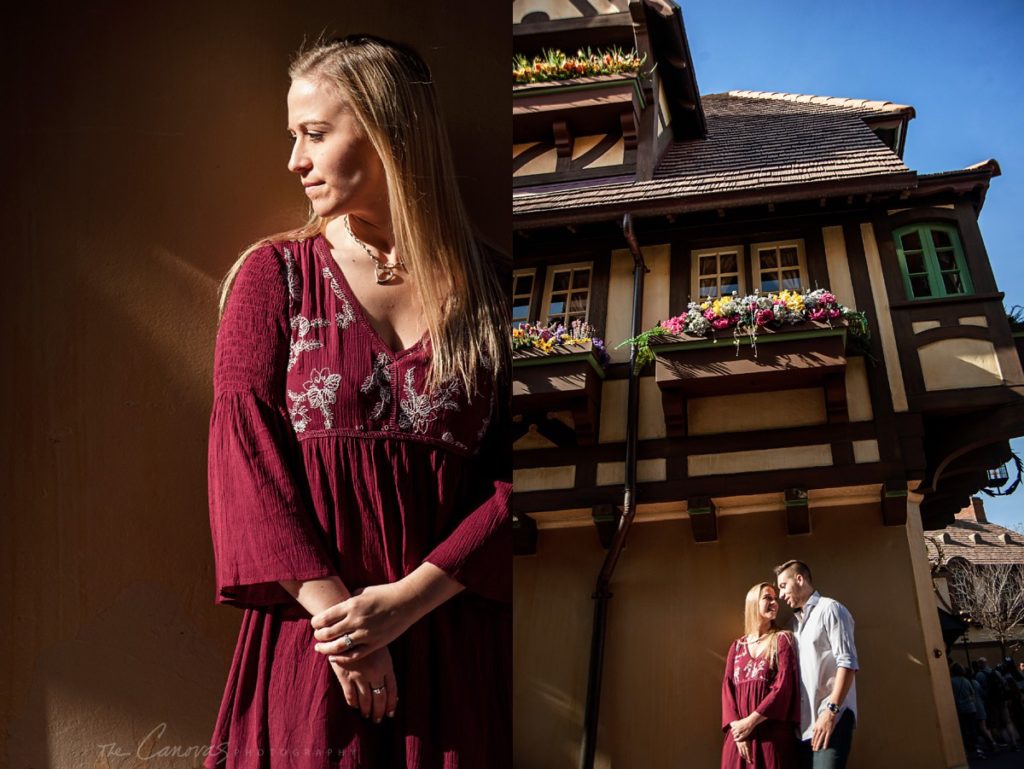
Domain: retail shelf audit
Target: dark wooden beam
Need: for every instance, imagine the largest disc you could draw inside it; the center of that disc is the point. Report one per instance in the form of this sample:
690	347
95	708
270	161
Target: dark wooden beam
798	511
894	502
606	521
524	534
703	519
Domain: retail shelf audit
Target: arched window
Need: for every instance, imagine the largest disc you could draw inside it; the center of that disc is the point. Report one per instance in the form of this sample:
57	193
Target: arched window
932	261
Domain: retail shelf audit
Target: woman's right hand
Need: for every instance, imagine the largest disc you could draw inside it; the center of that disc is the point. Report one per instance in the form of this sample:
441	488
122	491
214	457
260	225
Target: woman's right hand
359	678
746	753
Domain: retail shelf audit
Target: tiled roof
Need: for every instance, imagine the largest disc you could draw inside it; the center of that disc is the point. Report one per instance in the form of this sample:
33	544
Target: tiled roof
755	142
975	542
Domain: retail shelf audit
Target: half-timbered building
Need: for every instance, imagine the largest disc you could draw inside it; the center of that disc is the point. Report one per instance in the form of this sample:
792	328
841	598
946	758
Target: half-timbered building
647	503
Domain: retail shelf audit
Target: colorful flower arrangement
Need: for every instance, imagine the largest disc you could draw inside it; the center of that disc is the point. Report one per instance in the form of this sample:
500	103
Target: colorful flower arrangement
529	336
744	316
555	65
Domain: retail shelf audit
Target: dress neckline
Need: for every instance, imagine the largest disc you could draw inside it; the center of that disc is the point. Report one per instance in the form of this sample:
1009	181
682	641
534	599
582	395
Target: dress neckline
322	250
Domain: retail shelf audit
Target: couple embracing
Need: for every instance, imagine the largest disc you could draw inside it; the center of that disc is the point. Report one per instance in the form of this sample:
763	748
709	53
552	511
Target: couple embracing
788	697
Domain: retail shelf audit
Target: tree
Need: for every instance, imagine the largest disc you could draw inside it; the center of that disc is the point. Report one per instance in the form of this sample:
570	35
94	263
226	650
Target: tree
991	594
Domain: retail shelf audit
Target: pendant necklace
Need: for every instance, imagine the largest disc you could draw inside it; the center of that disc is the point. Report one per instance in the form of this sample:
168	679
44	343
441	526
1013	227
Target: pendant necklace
385	273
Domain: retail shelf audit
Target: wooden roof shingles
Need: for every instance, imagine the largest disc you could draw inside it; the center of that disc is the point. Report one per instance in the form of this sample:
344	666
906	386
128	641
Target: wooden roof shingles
980	543
755	142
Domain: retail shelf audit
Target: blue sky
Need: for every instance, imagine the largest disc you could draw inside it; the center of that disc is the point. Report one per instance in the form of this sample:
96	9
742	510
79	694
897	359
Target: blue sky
960	65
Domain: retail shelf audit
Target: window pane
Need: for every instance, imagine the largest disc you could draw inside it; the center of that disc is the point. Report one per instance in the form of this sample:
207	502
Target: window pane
729	284
728	263
708	265
911	241
557	306
789	257
952	282
919	285
520	311
941	239
578	303
523	284
768	259
561	282
708	287
770	281
947	260
791	279
915	262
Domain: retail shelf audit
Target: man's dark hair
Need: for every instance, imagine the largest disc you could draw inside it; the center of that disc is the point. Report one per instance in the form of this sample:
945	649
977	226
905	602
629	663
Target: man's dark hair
798	567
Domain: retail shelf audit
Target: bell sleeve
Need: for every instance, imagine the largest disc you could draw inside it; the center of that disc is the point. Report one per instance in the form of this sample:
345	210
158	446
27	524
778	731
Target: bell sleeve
478	552
729	710
260	522
778	703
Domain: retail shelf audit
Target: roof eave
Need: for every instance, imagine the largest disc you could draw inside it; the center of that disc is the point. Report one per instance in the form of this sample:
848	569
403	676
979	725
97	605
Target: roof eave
724	200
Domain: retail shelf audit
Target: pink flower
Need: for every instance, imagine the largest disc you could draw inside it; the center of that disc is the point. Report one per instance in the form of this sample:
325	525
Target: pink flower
827	298
762	317
720	323
819	313
709	314
834	313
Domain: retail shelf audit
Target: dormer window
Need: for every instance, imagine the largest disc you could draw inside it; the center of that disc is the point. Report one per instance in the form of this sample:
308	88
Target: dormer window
932	261
522	296
779	266
717	272
567	293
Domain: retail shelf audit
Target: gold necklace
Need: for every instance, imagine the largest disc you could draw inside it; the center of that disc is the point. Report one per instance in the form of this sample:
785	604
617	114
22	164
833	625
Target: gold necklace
384	273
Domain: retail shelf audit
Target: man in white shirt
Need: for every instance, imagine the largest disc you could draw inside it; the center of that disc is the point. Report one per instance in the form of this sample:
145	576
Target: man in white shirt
828	663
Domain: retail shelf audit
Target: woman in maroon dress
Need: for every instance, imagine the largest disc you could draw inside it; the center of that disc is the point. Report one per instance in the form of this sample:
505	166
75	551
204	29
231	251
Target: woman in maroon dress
358	466
760	691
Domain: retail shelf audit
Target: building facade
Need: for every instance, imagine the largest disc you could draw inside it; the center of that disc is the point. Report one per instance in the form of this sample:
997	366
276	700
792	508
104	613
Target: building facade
668	493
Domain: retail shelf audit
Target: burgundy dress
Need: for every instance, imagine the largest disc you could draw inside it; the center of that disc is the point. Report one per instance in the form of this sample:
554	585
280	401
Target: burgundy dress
328	456
750	685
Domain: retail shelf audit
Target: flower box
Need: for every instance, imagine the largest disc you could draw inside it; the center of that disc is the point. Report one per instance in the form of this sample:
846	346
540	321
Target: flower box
566	379
807	354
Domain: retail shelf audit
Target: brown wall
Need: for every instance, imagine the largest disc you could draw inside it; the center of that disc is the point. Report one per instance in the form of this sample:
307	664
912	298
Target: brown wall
144	147
677	606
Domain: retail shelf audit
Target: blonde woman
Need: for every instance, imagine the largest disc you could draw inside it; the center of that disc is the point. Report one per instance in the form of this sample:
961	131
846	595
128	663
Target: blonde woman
358	468
760	691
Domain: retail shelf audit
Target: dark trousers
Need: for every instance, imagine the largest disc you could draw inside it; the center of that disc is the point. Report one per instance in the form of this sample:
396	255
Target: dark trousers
834	757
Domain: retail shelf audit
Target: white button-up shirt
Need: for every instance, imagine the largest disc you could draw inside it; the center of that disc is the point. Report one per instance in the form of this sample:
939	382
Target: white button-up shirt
824	634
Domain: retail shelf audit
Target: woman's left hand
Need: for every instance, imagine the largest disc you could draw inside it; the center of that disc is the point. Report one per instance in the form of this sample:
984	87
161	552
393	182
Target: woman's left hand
371	618
742	728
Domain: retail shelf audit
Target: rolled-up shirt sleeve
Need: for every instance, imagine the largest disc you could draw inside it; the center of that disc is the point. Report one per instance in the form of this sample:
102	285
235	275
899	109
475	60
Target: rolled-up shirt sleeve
838	624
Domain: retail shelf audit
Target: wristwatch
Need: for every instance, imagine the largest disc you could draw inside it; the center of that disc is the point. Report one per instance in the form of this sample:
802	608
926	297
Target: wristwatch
833	708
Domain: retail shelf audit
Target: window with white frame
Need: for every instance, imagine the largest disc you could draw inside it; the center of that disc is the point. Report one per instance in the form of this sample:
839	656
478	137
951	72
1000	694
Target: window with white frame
567	293
716	272
522	296
779	266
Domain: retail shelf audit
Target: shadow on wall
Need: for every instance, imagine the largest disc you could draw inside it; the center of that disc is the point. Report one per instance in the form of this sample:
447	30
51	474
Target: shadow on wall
150	149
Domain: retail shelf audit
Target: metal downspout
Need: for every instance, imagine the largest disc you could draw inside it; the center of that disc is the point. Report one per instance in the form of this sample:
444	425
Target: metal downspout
601	593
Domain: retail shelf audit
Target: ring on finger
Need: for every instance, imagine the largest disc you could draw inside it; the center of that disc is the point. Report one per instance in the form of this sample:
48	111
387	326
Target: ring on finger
377	689
349	643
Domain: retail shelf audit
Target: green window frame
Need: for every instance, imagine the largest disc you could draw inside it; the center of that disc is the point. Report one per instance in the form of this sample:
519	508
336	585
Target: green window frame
932	261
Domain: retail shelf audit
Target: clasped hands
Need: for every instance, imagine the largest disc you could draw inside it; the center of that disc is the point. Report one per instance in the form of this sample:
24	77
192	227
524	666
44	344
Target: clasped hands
354	635
741	730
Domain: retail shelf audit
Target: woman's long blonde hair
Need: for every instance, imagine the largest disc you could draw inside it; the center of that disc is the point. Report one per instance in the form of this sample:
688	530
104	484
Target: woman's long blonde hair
390	91
752	622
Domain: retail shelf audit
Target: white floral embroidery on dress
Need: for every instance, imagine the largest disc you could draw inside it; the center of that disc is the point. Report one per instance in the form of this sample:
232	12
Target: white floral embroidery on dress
346	316
294	281
302	325
319	393
379	378
418	410
297	411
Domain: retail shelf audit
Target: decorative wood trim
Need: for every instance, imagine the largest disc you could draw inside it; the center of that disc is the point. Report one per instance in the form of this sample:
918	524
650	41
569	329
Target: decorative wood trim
703	519
524	534
606	521
798	512
894	499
